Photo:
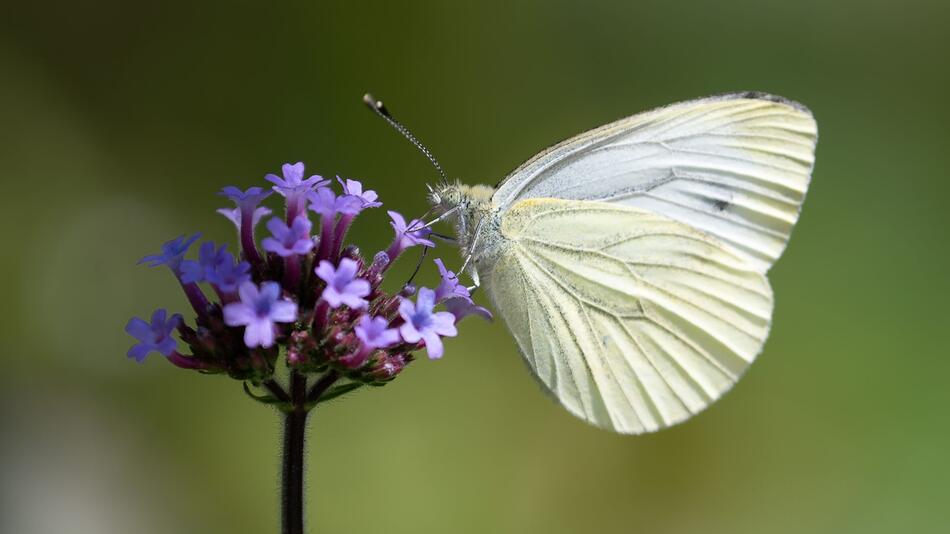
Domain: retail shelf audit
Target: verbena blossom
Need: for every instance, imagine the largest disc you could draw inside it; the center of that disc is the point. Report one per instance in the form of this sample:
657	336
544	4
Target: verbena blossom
173	252
208	260
228	275
302	293
404	238
456	298
154	336
234	215
424	324
294	188
353	188
289	240
259	311
373	333
342	284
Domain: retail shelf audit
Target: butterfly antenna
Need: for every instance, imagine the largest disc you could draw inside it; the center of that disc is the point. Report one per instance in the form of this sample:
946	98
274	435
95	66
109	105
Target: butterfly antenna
380	109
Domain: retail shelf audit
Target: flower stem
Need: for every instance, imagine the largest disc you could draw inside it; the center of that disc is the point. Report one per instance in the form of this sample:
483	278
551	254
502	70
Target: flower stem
295	428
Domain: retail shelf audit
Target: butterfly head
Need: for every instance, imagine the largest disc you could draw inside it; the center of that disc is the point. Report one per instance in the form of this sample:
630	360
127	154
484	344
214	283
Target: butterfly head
445	196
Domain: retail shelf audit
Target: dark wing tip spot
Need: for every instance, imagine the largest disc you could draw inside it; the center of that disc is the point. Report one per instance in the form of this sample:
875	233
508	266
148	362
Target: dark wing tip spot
720	205
759	95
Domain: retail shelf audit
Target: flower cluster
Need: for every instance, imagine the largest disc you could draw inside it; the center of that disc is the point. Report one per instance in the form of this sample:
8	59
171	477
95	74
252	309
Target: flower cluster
302	292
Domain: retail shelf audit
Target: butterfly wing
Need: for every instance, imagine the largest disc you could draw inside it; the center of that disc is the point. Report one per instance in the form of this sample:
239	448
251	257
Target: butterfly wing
633	321
735	166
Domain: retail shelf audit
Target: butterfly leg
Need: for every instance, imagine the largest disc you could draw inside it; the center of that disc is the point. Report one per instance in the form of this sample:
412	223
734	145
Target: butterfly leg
471	253
416	227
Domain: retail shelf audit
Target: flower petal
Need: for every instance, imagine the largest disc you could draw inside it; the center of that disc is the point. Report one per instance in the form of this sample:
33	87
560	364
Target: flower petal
283	311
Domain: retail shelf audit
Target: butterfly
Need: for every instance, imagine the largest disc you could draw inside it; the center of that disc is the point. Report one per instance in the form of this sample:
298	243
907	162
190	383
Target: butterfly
629	262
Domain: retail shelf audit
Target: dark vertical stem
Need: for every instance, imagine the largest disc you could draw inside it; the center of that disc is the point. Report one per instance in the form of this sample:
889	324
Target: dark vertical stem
295	426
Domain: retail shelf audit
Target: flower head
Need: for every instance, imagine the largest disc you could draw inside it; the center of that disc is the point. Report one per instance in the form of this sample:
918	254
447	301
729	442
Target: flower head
292	183
228	275
208	259
343	287
336	320
172	253
154	336
422	323
354	188
234	215
405	239
289	240
258	312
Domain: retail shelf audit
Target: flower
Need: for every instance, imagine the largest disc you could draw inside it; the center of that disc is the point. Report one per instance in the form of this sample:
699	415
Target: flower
154	336
258	312
456	297
245	200
374	333
208	260
461	308
449	286
422	324
172	253
293	184
324	201
228	275
343	287
353	188
289	240
406	239
234	215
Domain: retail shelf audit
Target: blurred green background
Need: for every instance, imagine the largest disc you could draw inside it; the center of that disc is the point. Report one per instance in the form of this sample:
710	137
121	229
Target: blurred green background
121	121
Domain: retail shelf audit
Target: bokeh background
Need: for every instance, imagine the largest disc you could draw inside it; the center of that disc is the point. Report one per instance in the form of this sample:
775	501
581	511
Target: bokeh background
122	119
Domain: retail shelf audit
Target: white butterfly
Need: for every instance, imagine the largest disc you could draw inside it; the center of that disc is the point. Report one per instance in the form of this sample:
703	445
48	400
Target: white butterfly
629	262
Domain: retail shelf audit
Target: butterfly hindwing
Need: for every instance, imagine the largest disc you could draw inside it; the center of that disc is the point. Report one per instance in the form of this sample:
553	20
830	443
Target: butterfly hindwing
633	320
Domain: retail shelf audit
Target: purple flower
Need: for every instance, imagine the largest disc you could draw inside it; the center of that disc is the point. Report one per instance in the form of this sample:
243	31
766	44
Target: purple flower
245	200
293	184
374	333
456	297
353	188
234	215
228	275
259	311
343	287
424	324
450	286
461	308
406	239
172	253
289	240
325	202
208	260
154	336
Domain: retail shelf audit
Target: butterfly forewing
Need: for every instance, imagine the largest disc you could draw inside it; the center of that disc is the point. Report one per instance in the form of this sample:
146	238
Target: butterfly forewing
735	166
